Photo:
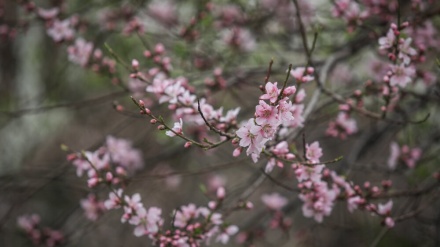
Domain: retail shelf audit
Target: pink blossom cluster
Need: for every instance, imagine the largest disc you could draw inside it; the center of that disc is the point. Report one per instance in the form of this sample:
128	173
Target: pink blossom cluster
399	50
39	235
93	208
318	198
269	117
409	156
192	225
342	127
111	163
359	198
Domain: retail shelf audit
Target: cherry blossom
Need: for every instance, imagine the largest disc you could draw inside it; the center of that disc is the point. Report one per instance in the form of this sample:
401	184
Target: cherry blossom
401	75
313	152
274	201
177	129
61	30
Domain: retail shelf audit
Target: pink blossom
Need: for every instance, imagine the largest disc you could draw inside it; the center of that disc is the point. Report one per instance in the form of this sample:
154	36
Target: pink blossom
389	222
405	51
92	207
28	222
342	126
285	115
272	92
274	201
61	30
313	152
265	113
401	75
387	41
114	200
122	153
98	160
354	202
319	202
226	234
177	129
239	38
313	173
301	74
185	214
249	135
80	52
385	209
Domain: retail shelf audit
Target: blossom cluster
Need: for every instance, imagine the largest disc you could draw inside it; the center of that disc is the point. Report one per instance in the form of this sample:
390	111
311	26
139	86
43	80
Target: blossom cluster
274	111
112	163
39	235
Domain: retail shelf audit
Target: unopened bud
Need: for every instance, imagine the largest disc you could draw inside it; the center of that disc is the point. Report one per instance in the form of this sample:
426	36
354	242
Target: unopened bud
187	144
236	152
221	193
135	64
161	127
153	121
108	176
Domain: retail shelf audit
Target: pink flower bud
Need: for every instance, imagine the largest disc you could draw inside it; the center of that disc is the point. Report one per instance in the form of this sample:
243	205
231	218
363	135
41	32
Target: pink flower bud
147	54
92	182
212	205
236	152
161	127
135	64
159	48
119	108
290	156
153	121
120	171
187	144
221	193
108	176
389	222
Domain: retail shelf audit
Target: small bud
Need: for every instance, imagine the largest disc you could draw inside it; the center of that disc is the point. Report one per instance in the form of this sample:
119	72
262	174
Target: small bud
161	127
159	48
367	185
153	121
121	171
290	156
249	205
236	152
147	54
187	144
404	25
119	108
135	64
212	205
108	176
389	222
221	193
